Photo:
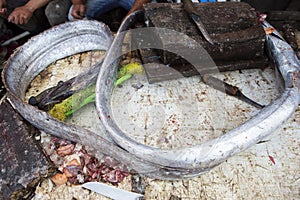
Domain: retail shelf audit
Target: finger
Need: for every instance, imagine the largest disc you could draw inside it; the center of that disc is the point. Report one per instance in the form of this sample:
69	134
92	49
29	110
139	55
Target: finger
82	12
78	16
2	10
11	18
16	20
21	20
74	14
25	20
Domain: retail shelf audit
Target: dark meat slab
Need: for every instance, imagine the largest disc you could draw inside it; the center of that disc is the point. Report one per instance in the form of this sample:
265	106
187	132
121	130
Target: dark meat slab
22	164
234	27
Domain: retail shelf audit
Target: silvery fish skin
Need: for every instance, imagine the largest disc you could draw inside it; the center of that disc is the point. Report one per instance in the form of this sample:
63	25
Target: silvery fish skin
211	153
79	36
40	51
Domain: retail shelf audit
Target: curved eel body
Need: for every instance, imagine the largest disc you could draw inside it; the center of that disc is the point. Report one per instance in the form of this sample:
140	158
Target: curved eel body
211	153
79	36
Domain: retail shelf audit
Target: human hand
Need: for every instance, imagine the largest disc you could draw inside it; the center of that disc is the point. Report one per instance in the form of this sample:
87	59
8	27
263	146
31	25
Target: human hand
78	11
3	9
21	15
137	5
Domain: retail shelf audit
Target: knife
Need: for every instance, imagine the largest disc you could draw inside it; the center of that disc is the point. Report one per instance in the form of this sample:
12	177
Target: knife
111	192
190	8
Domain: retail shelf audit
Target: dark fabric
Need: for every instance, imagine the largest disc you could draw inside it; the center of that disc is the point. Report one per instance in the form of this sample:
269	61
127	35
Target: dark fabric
11	4
268	5
57	11
294	5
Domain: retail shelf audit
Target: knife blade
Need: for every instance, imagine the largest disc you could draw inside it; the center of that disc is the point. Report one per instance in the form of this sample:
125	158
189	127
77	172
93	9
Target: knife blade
111	192
190	8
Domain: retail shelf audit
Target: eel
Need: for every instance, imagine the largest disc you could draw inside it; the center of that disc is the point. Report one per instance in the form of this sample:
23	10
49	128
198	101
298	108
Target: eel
74	37
201	158
34	56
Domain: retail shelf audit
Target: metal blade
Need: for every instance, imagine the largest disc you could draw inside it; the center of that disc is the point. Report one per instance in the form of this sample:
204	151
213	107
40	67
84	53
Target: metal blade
111	192
201	27
190	8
